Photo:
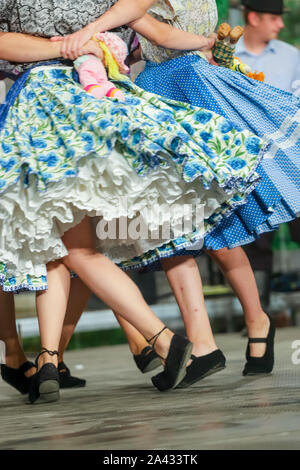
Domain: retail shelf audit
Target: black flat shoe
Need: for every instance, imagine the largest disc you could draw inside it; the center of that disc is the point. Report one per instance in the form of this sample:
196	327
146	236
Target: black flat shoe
16	377
66	380
175	363
264	364
44	387
202	367
148	360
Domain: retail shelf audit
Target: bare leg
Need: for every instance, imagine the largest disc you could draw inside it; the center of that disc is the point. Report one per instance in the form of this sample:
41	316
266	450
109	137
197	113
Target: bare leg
51	309
110	284
79	296
15	356
236	268
184	278
135	339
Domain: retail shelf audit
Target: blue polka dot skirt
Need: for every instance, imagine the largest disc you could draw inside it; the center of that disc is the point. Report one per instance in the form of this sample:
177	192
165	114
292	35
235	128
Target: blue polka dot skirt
268	112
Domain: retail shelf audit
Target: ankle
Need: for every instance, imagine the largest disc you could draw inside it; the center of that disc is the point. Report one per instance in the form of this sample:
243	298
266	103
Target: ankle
136	349
47	357
13	348
15	360
162	343
259	321
202	349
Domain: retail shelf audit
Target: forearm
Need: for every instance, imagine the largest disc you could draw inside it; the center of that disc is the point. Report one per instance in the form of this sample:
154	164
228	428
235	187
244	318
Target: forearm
162	34
17	47
123	12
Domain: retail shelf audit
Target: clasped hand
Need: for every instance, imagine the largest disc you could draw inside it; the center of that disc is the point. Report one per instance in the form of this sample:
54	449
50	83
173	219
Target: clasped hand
79	43
207	48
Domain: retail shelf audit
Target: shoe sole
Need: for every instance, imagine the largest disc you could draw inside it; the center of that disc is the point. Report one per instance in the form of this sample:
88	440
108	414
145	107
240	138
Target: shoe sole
152	365
182	368
212	371
65	387
49	391
252	374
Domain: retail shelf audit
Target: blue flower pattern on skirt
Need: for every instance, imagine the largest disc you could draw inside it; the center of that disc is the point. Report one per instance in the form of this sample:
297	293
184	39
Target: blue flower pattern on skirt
54	123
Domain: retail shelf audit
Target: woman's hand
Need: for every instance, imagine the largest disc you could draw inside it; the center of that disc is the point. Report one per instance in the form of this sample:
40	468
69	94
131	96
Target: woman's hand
208	42
91	47
207	48
210	57
72	45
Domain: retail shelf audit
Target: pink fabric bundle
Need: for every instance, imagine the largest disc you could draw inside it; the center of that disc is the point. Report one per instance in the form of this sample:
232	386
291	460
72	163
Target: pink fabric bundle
117	47
92	73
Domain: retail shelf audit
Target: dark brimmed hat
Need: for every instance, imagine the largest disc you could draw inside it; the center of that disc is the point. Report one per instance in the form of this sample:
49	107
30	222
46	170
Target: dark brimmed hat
275	7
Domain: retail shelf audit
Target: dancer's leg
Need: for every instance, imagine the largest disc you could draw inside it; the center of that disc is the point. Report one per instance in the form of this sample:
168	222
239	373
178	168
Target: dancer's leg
15	356
184	278
236	268
109	283
144	357
51	309
185	281
79	296
136	340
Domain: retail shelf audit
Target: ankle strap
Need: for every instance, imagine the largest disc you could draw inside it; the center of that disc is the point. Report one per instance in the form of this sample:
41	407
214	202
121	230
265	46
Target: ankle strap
45	350
155	337
258	340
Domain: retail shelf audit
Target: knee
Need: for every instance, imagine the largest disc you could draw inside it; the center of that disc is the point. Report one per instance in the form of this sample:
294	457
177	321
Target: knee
178	263
54	265
218	255
229	259
77	255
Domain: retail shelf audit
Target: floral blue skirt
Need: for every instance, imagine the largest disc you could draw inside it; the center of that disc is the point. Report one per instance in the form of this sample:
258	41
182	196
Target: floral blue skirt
65	154
268	112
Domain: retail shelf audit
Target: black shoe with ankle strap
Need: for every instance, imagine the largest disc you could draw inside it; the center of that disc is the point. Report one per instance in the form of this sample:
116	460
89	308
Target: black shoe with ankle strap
16	377
175	364
66	380
147	360
264	364
44	387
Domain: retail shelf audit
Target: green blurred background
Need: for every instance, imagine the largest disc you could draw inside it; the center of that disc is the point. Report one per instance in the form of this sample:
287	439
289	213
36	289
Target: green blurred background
223	7
290	34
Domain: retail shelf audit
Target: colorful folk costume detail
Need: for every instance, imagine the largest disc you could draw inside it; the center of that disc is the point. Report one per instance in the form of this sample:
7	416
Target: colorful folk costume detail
271	114
65	154
91	70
